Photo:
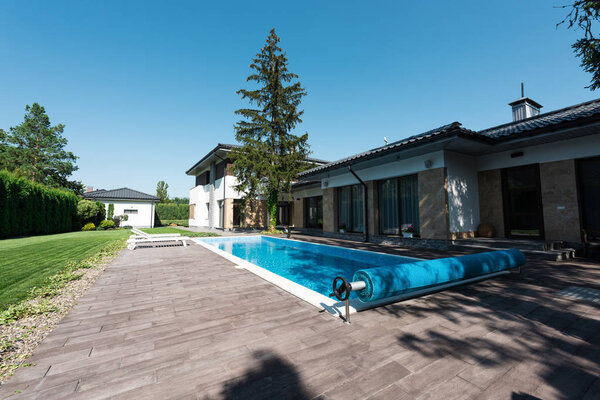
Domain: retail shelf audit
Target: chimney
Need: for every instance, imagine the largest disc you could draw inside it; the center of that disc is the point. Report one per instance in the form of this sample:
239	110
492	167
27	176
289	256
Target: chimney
524	107
89	189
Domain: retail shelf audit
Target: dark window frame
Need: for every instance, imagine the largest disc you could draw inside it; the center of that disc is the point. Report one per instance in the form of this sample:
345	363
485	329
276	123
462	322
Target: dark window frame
307	222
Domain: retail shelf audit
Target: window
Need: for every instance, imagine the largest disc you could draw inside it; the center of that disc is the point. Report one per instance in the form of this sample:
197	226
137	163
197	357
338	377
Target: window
283	213
398	204
192	211
130	211
350	208
313	207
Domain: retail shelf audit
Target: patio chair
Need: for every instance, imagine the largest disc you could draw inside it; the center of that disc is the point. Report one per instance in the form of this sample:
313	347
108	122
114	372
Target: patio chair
591	241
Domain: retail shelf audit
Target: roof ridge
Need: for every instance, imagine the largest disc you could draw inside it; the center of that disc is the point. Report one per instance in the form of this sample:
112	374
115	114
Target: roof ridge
549	113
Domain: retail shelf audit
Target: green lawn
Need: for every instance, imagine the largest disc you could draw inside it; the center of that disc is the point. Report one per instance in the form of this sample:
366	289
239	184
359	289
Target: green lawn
28	262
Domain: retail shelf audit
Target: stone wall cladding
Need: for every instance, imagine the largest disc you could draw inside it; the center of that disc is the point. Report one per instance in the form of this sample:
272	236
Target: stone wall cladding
373	207
298	213
433	204
491	209
256	214
329	210
559	199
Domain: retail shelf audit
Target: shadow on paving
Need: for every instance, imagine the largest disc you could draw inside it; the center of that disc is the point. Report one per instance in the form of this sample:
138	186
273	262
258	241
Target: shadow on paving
272	378
512	319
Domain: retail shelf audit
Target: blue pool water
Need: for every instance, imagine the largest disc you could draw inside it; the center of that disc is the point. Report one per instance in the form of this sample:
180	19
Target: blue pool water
308	264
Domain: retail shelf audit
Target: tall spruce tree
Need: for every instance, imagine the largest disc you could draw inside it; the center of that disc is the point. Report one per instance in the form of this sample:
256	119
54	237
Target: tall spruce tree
36	150
270	156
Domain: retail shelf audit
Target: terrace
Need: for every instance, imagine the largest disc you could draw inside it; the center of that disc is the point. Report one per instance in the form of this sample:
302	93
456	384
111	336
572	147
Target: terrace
184	323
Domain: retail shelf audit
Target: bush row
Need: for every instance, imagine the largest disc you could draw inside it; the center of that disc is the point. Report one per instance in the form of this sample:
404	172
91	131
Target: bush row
166	211
28	208
180	222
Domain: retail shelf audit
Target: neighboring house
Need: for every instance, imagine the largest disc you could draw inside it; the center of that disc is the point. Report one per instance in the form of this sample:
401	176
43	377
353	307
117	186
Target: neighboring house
215	203
139	207
536	177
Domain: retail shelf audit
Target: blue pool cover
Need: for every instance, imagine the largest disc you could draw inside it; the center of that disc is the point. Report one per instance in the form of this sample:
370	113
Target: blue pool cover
389	281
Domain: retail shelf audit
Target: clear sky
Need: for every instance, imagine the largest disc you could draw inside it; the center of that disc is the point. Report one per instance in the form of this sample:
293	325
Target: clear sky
146	88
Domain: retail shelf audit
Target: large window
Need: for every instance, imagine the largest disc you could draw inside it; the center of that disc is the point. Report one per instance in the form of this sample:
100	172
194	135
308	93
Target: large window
350	208
283	213
313	207
398	204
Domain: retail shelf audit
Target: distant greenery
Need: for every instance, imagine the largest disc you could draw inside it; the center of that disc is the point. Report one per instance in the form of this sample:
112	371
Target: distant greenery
172	211
90	211
182	231
161	191
29	208
180	222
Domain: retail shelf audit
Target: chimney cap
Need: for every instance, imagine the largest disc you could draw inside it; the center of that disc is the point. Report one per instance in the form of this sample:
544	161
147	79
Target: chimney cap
525	100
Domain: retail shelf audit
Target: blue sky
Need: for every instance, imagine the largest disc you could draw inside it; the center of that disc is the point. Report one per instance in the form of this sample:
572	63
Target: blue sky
146	88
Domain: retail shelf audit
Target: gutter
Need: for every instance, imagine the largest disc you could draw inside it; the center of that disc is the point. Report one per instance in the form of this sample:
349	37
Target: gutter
365	206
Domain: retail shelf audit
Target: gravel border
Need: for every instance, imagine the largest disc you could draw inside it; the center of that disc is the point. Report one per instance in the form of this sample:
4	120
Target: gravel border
19	339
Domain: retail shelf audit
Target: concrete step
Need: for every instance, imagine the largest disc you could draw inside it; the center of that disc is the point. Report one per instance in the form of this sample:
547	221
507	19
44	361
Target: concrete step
552	251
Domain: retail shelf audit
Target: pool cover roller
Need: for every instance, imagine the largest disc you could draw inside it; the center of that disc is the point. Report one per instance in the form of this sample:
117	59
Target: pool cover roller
394	280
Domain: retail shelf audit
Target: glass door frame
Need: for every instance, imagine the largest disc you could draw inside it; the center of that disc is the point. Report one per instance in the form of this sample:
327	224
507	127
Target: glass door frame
506	202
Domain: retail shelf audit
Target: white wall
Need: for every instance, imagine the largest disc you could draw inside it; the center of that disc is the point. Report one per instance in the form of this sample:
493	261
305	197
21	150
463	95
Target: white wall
145	212
199	197
587	146
387	170
308	192
463	192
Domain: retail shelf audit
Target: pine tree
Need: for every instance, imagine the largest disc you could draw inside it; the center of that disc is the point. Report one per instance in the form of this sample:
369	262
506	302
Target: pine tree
36	150
270	156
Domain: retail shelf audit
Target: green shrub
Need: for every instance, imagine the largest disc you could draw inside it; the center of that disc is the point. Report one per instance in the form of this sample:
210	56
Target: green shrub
25	309
111	211
28	208
170	211
90	211
89	227
107	224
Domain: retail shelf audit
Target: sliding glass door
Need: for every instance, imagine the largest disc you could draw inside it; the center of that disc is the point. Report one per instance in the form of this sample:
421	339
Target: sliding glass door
588	171
313	207
398	204
350	208
523	216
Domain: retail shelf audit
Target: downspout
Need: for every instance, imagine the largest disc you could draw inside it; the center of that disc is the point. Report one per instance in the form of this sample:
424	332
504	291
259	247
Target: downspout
365	206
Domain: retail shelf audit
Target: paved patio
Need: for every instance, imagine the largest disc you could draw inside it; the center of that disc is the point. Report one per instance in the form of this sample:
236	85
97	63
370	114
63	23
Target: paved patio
184	323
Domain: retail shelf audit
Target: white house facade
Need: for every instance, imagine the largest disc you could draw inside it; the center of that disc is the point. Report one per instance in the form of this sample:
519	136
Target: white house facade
139	207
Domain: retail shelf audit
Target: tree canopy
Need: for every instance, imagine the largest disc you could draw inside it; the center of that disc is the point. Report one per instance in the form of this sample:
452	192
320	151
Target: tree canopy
584	15
35	149
270	156
161	191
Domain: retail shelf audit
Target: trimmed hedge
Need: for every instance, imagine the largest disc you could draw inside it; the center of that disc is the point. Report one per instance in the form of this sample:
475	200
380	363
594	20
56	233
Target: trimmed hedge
28	208
180	222
166	211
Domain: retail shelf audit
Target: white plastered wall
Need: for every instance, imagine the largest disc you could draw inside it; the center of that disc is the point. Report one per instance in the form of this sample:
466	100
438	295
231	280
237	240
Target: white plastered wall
145	212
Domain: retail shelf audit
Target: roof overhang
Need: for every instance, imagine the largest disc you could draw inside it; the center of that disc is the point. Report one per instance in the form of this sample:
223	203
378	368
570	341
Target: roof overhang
217	154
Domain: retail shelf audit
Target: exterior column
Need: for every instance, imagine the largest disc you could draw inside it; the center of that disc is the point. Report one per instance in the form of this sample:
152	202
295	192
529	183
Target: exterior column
213	206
373	207
559	201
491	209
433	204
329	214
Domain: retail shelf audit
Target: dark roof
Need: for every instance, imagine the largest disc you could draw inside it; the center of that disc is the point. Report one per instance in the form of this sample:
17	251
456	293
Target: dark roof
229	147
452	129
119	194
531	126
549	119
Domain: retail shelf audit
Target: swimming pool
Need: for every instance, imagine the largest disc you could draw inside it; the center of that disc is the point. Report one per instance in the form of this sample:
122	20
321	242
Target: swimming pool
304	269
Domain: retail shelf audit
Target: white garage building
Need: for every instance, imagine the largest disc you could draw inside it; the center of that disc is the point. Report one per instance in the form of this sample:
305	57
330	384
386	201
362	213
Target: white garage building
138	206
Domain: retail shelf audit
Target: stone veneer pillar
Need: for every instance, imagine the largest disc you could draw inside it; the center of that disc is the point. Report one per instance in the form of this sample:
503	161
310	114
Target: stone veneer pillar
373	207
491	210
433	204
228	214
329	210
298	213
559	200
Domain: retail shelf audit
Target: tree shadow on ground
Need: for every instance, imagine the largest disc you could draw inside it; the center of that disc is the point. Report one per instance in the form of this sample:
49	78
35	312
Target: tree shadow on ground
502	323
272	378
